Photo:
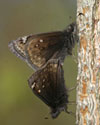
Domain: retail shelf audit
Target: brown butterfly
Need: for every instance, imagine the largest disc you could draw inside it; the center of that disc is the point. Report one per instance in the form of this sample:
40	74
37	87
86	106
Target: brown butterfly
37	49
48	84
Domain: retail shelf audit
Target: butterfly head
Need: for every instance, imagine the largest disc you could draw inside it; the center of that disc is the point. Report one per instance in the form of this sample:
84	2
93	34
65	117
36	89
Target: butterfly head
70	37
71	27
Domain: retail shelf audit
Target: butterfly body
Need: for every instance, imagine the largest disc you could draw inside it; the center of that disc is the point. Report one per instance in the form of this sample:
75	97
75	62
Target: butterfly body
48	84
37	49
45	53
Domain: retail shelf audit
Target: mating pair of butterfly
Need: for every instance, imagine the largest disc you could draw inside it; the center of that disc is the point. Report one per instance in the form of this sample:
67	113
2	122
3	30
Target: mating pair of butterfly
45	53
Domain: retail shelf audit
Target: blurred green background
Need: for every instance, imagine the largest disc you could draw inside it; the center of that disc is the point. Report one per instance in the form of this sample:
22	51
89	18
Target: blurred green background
18	105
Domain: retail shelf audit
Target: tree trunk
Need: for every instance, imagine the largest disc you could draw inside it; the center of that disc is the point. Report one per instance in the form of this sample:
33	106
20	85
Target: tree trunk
88	89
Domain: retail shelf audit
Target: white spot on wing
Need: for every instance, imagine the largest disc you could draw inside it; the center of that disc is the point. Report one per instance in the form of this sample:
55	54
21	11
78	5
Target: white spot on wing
43	80
55	65
41	40
43	86
37	45
39	91
24	39
33	85
39	58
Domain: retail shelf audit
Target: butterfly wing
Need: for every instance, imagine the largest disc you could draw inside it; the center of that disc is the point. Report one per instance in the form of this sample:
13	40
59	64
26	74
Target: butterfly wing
18	48
36	50
48	84
43	47
54	45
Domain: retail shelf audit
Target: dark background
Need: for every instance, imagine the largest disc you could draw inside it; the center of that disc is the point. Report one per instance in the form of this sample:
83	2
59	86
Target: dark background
18	105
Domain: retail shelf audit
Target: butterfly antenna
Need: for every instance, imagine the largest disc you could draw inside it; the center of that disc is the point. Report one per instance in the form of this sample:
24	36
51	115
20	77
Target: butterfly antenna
75	59
70	17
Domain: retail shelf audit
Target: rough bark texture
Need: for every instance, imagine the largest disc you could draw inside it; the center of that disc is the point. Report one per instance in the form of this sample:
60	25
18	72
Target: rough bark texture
88	90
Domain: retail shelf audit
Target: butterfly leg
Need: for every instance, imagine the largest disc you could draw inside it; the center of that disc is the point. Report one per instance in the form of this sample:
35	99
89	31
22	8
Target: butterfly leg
71	113
72	88
46	117
75	59
72	103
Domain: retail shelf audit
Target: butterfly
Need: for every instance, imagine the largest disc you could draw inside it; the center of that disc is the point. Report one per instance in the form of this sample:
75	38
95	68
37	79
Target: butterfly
48	84
37	49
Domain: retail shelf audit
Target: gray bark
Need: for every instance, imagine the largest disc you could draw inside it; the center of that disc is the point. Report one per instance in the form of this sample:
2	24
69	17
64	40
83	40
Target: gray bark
88	79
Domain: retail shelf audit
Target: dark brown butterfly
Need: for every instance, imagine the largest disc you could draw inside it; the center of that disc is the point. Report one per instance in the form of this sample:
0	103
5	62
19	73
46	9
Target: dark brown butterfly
36	50
48	84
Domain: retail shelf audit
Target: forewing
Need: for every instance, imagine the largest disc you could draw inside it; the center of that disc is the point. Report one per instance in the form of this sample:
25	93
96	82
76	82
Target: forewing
36	50
48	84
43	47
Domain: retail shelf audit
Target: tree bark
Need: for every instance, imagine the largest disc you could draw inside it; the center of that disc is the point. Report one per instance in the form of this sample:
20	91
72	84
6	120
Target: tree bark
88	89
